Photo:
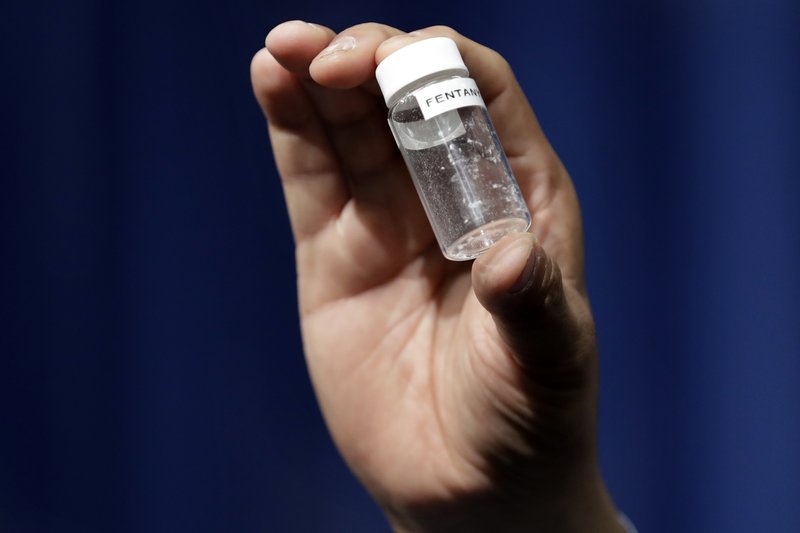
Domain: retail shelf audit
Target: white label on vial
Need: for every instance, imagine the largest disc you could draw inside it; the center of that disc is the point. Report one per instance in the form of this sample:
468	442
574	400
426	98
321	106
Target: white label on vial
448	95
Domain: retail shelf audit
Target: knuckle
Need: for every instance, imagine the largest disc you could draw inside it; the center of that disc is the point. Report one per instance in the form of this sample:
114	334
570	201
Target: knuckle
442	31
499	60
360	26
380	31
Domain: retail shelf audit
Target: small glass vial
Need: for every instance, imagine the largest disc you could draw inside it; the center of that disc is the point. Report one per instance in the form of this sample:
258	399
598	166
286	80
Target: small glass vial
441	126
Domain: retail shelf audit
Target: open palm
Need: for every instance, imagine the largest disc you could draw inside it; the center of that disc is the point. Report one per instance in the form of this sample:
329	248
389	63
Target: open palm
451	389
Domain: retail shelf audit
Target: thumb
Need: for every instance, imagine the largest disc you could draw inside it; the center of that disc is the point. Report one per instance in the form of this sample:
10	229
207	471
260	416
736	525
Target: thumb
521	286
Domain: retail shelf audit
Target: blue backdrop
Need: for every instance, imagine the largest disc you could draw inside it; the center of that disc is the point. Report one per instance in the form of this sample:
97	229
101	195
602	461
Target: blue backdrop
151	375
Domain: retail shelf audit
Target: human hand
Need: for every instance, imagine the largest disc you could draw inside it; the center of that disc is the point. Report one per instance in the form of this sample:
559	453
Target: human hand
462	395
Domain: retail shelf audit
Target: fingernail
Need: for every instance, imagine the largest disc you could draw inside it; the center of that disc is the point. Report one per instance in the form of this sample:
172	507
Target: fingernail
524	252
340	44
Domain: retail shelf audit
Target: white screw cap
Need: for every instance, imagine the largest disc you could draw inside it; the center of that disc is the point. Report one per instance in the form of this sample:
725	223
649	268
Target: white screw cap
417	60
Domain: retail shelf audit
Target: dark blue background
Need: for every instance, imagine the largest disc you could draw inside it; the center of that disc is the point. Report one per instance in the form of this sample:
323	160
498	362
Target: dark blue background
151	377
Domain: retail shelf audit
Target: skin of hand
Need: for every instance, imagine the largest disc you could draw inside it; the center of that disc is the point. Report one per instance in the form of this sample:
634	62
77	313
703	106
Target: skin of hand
462	395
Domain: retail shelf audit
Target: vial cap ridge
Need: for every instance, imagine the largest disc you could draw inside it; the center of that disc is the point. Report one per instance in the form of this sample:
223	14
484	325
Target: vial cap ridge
417	60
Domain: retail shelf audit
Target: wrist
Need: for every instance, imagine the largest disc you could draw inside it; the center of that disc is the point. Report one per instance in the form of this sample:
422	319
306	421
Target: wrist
583	507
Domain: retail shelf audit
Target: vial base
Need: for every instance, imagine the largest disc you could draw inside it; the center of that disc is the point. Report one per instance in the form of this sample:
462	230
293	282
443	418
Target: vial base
479	240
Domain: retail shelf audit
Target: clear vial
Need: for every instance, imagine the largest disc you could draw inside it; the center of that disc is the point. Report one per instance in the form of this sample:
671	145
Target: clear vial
451	149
